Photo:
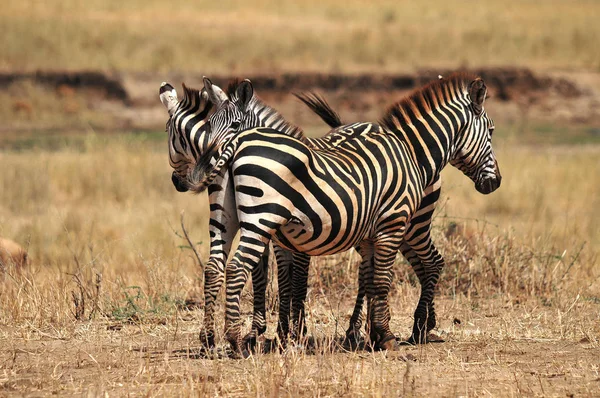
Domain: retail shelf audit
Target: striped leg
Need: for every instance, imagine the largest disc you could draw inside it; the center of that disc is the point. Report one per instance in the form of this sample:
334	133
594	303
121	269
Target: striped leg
223	216
285	264
299	288
425	319
260	278
246	258
418	233
426	261
365	276
377	293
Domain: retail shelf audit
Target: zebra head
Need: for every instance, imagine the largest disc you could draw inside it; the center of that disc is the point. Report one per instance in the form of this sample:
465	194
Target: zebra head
474	155
231	115
229	118
187	129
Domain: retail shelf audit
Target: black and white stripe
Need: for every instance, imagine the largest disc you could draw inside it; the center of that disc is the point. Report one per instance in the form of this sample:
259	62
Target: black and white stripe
362	194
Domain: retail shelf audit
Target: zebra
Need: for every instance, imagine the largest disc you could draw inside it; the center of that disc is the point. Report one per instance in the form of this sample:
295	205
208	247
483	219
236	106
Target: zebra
267	116
187	134
362	194
419	237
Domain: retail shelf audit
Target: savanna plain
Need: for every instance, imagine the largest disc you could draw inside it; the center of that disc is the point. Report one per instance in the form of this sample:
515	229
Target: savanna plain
111	301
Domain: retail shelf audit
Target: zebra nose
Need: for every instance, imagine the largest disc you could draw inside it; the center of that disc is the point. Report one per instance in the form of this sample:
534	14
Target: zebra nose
179	185
488	185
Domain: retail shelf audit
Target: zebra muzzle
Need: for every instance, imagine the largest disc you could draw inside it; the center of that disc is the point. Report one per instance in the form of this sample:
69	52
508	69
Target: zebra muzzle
488	185
180	185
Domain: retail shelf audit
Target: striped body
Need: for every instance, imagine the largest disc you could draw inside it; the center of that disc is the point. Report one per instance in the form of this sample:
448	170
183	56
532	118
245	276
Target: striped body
368	181
376	180
319	202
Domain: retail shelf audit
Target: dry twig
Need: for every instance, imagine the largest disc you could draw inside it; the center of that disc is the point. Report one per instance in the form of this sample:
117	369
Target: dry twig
185	234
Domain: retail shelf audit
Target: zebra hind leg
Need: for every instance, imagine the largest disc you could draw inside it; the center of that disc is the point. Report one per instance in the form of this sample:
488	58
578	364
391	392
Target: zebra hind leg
299	290
285	264
365	275
260	277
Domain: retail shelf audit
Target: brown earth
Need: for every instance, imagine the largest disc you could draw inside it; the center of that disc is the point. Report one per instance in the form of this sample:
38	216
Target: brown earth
492	347
130	100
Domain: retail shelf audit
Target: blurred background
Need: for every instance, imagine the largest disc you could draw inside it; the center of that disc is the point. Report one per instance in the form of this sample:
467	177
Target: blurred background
84	176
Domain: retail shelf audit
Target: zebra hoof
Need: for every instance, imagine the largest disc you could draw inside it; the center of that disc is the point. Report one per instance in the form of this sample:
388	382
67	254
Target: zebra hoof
388	344
352	341
249	342
207	339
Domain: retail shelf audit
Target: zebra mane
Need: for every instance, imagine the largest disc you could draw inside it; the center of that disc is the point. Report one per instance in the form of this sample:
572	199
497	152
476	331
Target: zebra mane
424	100
285	126
190	95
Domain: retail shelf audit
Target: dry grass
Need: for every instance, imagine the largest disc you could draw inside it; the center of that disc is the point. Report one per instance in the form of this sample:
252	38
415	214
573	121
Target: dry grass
518	307
266	36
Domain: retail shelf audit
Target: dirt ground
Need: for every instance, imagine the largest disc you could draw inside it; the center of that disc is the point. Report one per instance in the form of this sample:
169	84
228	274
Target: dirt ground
496	347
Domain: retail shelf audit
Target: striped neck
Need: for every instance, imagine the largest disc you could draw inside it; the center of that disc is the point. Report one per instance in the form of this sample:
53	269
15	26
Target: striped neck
430	121
263	115
267	116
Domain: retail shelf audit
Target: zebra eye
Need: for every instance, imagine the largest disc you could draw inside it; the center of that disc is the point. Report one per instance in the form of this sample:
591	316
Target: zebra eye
491	131
235	125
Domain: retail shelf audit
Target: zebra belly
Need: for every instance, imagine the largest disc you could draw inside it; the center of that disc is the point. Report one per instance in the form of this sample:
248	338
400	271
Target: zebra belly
299	235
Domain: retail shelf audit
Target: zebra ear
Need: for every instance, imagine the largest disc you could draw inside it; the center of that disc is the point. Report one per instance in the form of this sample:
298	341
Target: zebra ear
215	94
168	97
245	92
477	92
204	95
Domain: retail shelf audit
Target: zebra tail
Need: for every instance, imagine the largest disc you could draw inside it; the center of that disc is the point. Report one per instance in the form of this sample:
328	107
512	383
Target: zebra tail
318	105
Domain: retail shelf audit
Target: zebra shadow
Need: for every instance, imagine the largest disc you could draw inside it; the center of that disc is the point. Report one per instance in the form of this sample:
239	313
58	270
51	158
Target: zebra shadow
308	345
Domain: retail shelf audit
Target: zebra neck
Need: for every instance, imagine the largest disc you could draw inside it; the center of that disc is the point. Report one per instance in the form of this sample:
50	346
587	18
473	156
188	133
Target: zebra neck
430	137
266	116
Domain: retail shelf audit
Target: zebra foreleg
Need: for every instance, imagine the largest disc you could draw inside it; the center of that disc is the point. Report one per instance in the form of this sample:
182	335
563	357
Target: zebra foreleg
427	263
425	318
214	275
222	228
246	258
378	292
425	260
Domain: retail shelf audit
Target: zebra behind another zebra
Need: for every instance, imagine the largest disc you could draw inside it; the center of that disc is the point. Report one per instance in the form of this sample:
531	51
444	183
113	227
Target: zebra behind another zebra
187	134
362	194
266	116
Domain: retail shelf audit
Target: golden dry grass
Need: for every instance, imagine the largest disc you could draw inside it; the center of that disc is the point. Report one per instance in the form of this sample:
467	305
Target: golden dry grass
518	306
266	36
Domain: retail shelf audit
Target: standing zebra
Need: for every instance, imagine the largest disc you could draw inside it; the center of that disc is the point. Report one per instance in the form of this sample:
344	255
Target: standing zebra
221	219
417	248
362	194
188	136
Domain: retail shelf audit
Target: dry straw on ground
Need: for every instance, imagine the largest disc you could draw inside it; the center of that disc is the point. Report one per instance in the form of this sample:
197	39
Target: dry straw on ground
112	299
